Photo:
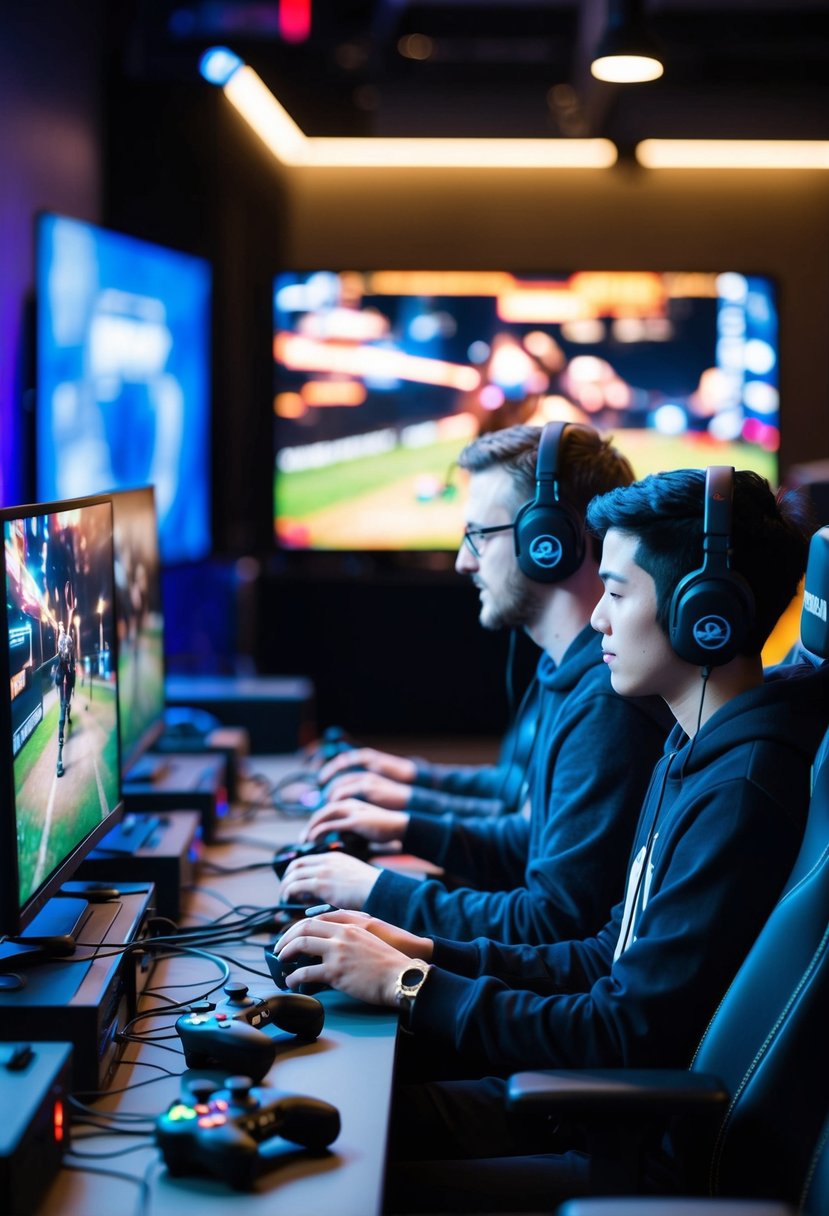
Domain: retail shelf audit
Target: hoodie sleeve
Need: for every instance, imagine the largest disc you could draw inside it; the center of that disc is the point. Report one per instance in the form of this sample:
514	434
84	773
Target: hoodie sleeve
556	877
715	879
437	802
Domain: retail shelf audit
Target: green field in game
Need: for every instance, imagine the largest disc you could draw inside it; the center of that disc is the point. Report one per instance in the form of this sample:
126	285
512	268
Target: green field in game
389	500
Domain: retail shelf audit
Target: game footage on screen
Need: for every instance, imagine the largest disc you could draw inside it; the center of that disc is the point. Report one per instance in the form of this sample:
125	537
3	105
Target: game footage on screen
60	611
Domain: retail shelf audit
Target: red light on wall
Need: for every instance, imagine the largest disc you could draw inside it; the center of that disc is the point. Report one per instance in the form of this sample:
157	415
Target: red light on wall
295	20
57	1122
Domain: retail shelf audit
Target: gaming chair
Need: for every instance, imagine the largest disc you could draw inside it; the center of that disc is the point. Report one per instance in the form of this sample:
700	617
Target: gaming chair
759	1078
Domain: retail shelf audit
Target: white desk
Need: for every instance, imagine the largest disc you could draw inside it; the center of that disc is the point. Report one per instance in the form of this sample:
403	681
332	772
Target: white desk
351	1065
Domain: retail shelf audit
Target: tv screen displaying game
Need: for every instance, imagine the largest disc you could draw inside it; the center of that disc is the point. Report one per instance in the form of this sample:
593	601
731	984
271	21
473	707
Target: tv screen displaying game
139	622
381	377
123	375
61	782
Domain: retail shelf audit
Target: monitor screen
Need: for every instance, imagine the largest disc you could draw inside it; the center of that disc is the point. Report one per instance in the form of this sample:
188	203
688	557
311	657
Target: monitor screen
381	377
123	375
139	622
59	737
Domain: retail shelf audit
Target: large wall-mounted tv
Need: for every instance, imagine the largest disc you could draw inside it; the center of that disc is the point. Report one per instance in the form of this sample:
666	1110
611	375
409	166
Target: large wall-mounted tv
59	760
380	377
123	375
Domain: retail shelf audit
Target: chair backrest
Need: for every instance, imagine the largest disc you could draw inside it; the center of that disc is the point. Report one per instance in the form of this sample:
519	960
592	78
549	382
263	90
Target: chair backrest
769	1039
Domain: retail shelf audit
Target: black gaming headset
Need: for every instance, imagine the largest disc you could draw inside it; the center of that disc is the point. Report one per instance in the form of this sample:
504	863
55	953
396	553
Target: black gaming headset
712	608
549	535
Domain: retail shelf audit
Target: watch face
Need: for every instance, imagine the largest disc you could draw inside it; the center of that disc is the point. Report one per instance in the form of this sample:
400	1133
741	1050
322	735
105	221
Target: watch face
411	977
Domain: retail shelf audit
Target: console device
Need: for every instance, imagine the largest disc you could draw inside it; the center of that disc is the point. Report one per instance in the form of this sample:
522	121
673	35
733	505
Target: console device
34	1086
180	783
89	998
227	1133
232	1035
163	849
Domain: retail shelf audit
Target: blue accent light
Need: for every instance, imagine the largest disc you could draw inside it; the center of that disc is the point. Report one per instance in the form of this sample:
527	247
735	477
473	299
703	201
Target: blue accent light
218	64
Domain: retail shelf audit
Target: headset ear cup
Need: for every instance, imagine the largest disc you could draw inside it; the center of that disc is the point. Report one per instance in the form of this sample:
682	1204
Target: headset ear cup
549	542
710	618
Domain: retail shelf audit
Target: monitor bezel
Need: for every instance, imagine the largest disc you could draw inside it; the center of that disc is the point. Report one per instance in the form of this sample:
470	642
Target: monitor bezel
14	917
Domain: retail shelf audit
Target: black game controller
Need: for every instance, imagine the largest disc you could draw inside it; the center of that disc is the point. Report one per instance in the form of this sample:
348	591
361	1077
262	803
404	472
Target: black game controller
328	842
222	1133
232	1036
281	970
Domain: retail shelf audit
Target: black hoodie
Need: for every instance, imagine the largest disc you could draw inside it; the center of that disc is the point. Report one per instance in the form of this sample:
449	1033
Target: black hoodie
719	833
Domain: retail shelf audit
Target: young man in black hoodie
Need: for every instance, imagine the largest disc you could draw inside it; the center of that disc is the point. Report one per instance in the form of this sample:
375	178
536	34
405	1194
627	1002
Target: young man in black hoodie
718	835
554	872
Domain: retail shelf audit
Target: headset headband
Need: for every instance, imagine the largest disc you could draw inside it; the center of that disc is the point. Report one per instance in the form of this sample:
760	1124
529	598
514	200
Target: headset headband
546	465
716	519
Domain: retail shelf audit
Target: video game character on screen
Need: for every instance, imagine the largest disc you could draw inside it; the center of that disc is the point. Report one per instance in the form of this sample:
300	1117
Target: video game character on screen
64	679
61	623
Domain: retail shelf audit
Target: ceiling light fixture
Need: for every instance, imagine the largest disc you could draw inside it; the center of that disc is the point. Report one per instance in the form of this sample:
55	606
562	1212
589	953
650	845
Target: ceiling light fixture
733	153
254	101
627	52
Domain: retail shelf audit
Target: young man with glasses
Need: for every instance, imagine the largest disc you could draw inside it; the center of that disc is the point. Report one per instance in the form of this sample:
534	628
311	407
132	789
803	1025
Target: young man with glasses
554	871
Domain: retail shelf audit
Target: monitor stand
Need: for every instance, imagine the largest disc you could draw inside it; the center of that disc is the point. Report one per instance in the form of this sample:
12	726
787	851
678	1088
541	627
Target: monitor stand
50	935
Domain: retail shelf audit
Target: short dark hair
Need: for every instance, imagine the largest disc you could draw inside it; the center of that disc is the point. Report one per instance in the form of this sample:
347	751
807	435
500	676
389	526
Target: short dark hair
589	464
769	538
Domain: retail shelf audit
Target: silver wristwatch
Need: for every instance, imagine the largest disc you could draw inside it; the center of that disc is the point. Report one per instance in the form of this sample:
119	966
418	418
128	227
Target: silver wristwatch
407	985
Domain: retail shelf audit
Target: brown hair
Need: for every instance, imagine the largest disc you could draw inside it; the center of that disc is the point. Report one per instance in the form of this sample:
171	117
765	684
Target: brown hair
588	463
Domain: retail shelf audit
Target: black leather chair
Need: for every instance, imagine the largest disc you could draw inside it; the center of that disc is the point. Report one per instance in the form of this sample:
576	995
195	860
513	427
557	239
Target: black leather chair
814	1199
759	1082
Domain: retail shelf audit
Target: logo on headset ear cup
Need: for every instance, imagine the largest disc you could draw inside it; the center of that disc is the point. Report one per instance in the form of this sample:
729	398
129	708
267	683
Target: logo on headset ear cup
546	551
710	617
549	542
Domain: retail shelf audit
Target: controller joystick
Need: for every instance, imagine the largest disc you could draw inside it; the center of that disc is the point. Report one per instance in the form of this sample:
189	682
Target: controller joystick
222	1133
350	843
234	1038
237	994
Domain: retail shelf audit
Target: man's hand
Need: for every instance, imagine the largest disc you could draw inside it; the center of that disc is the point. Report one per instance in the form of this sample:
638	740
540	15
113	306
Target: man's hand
398	768
328	878
381	791
359	954
354	816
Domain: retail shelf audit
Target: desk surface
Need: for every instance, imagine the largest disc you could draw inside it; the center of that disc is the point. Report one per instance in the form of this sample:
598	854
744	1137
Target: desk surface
351	1065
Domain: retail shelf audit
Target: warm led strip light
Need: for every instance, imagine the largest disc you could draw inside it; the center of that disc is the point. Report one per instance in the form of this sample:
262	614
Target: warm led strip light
274	125
733	154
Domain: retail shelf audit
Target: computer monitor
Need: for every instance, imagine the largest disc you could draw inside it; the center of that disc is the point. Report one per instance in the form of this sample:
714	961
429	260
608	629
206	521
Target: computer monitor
139	622
123	375
59	758
381	377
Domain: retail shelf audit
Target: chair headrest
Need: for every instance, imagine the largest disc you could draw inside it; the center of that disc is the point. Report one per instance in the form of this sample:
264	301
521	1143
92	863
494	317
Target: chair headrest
814	631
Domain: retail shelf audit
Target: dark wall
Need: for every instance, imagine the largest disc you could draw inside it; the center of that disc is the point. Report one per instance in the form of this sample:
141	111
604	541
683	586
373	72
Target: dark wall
50	159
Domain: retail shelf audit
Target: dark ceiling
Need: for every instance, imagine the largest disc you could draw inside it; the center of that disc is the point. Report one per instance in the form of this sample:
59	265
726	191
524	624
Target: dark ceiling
734	68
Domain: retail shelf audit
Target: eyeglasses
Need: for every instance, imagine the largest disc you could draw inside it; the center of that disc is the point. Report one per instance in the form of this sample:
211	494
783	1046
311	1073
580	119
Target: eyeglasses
475	538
